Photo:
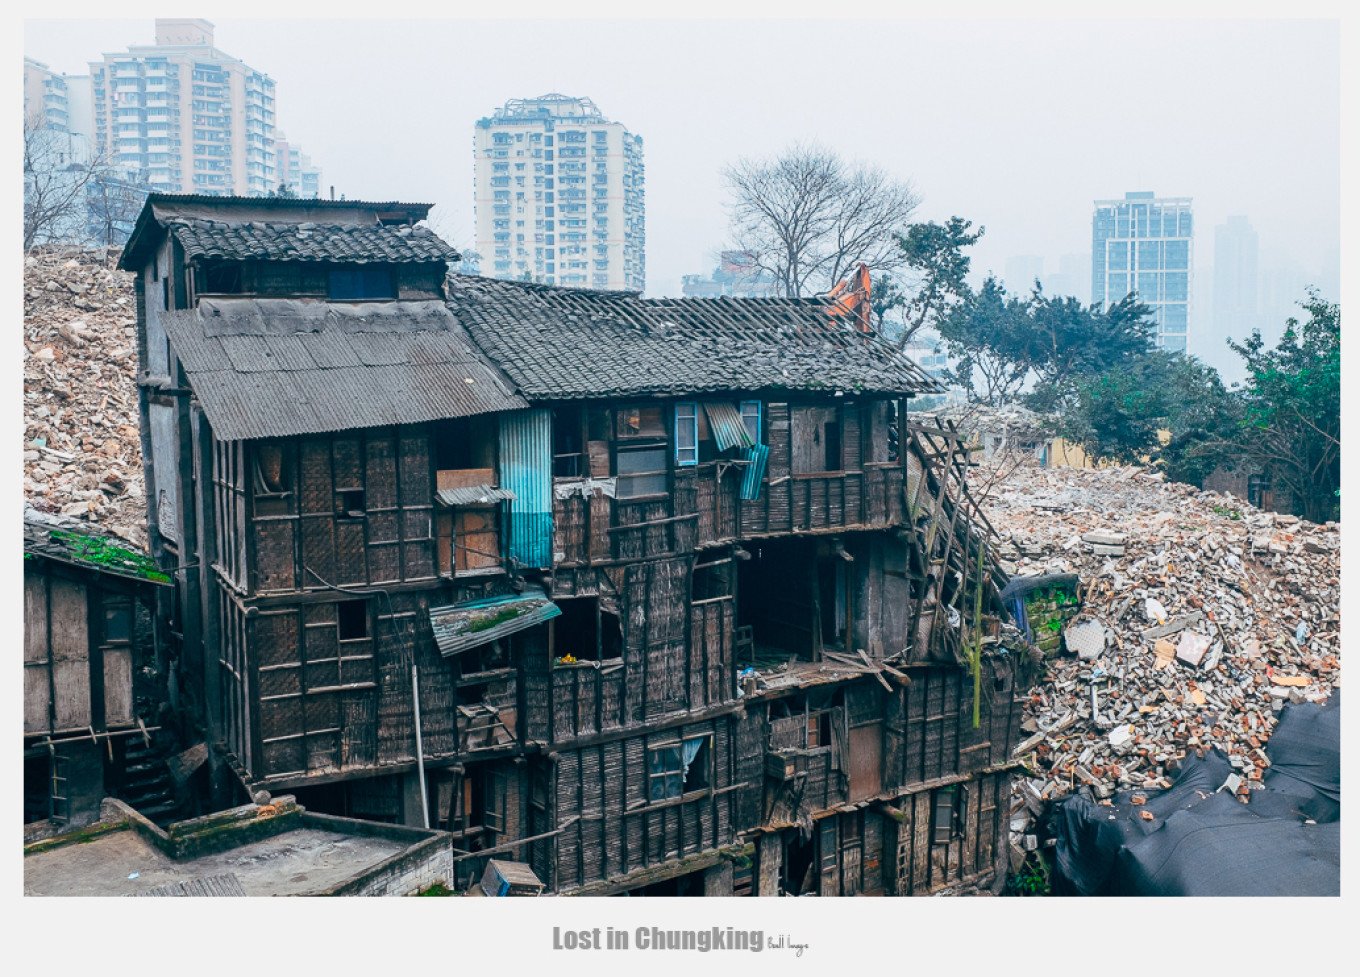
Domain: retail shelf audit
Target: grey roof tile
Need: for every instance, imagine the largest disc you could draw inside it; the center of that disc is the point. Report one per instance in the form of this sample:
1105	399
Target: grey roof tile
278	241
560	343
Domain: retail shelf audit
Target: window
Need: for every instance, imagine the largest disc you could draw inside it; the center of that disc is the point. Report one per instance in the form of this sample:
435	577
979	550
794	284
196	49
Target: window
712	581
350	502
641	422
585	632
353	619
358	284
750	416
641	471
273	473
944	822
679	768
686	433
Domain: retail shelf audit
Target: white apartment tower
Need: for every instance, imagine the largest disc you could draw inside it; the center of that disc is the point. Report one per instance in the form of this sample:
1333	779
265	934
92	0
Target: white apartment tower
185	116
559	195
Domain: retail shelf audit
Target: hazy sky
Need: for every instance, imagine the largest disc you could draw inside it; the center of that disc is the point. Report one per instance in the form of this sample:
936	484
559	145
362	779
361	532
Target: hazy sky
1017	125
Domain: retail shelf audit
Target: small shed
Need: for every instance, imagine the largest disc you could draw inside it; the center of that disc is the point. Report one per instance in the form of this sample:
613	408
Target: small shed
88	641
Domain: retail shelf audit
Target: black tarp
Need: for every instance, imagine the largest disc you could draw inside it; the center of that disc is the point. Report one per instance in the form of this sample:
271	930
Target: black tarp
1202	842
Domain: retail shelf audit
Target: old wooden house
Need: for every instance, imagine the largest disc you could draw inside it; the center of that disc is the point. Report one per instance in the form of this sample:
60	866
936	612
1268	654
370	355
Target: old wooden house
655	596
91	667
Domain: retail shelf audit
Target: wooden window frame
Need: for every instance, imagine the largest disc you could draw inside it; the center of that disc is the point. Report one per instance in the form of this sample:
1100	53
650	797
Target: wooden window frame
648	444
687	455
759	417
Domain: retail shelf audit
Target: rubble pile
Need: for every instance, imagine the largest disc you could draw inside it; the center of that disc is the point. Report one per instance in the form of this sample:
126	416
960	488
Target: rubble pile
1201	618
82	447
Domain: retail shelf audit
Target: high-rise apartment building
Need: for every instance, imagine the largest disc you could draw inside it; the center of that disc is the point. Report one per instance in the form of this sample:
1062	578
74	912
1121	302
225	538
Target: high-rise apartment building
294	168
186	116
559	195
1142	244
47	99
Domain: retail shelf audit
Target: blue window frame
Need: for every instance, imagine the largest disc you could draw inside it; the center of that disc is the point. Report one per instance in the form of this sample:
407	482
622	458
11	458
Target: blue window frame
686	433
750	416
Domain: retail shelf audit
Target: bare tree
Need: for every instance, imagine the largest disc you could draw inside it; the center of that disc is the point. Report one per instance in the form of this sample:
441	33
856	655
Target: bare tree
57	173
114	205
808	217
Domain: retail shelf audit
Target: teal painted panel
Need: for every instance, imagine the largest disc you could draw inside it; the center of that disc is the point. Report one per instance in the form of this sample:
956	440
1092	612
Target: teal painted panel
526	470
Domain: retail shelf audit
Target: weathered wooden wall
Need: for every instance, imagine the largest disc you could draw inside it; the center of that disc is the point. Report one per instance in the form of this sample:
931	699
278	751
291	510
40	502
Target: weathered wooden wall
610	827
307	536
75	679
703	507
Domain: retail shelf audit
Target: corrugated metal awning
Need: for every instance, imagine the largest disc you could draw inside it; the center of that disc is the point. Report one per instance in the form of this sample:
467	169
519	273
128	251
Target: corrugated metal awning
724	421
459	627
474	495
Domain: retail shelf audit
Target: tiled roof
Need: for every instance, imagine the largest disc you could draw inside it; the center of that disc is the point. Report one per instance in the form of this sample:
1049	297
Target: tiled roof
261	240
278	367
560	343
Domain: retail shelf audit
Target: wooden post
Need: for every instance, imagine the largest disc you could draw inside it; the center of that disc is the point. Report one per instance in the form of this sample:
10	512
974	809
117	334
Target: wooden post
420	750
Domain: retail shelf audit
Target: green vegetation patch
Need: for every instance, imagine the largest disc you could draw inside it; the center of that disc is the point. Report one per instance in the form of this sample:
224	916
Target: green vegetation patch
493	620
103	552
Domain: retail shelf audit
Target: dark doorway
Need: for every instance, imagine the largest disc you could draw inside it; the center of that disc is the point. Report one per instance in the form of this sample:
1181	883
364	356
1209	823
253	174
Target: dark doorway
799	876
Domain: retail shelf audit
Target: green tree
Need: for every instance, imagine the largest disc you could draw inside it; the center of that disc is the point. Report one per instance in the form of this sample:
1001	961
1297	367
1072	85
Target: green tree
1292	407
1125	412
936	270
991	338
1071	339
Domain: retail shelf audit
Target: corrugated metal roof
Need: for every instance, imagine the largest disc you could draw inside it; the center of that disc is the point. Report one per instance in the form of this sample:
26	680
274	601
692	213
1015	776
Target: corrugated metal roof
458	627
726	425
342	366
561	343
474	495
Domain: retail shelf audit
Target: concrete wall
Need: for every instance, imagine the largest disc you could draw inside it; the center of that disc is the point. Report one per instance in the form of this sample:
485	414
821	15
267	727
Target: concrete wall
429	860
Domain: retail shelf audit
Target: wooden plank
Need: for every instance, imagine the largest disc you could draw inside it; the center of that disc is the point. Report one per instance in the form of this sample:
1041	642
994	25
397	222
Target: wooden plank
117	685
920	843
70	654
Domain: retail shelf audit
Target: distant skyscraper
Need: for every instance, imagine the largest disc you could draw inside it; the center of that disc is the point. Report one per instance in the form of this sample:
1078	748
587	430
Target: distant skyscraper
1143	244
1236	283
1071	279
186	116
559	195
294	168
1021	272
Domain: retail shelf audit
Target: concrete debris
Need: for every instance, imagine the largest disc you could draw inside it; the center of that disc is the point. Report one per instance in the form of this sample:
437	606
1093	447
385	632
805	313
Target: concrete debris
82	445
1086	639
1214	618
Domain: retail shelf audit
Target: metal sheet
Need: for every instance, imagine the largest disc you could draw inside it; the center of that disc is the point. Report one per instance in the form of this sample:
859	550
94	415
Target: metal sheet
458	627
757	455
474	495
526	470
258	383
727	426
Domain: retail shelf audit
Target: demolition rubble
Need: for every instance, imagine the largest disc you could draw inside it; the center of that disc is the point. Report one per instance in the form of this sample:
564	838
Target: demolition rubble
1199	619
82	451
